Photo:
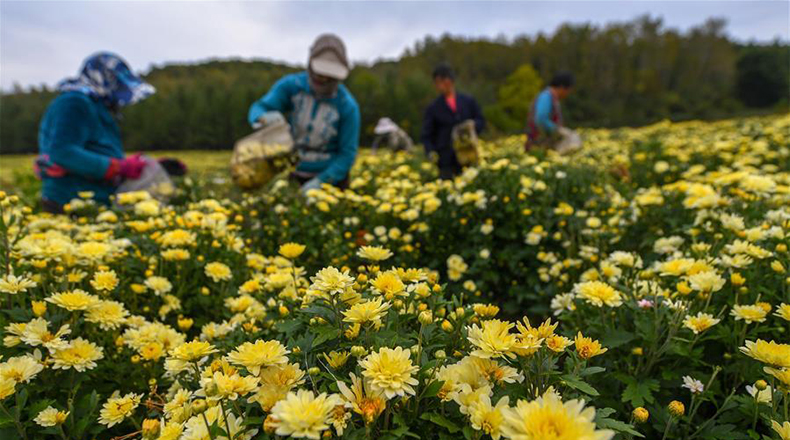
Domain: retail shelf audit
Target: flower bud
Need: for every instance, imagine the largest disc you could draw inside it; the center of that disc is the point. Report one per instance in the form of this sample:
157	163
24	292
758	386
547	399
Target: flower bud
358	351
270	424
640	415
446	326
185	323
425	317
39	308
150	428
198	406
440	354
637	351
676	408
313	371
761	384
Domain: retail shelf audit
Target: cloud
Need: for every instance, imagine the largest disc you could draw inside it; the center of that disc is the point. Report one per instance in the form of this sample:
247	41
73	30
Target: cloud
43	42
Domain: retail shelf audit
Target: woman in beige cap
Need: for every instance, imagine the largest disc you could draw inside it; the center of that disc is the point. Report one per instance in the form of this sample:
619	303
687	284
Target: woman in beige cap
323	115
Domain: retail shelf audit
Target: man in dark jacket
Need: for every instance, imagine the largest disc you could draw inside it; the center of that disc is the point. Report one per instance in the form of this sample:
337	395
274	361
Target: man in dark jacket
444	113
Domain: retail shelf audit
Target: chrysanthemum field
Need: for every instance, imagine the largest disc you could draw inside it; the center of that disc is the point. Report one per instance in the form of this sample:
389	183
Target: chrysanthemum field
637	289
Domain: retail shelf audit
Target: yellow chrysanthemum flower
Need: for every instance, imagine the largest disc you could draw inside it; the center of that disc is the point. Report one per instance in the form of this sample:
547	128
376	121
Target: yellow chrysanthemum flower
191	351
218	271
80	355
105	281
75	300
598	293
303	414
389	285
254	356
493	339
36	333
557	343
390	372
229	386
116	409
548	417
7	388
374	253
331	281
110	315
160	285
275	383
706	282
364	401
783	375
783	311
51	417
371	311
336	359
587	347
20	369
291	250
768	352
749	313
700	322
12	284
783	430
487	418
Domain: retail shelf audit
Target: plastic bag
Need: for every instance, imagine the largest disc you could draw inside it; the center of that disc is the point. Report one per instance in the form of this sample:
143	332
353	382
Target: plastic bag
260	156
569	142
154	180
465	143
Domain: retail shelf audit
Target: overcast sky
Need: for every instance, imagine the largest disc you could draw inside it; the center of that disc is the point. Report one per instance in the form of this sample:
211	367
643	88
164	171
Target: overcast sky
43	42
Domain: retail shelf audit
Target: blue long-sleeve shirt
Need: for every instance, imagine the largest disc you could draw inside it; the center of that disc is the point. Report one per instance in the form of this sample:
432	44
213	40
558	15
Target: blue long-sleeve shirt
325	131
80	135
544	111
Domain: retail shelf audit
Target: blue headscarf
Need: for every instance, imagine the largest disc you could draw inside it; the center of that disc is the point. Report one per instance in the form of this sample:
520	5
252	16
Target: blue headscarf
107	77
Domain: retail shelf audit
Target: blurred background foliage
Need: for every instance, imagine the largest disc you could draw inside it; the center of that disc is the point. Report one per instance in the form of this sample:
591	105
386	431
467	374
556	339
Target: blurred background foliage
628	74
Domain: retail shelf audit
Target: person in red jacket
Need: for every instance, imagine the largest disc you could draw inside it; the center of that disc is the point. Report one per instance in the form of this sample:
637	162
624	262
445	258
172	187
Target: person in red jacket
449	109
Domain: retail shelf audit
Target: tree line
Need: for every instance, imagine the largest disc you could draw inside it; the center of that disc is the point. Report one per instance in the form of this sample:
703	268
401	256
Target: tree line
627	74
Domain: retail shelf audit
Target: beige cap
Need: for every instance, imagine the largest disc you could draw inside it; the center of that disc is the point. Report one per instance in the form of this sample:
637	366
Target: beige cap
328	57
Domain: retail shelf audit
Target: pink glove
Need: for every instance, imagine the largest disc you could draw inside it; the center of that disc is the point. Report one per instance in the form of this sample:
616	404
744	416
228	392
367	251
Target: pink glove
129	167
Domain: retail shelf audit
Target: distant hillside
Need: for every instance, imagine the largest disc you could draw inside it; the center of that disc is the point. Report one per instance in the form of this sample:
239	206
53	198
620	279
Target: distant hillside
627	74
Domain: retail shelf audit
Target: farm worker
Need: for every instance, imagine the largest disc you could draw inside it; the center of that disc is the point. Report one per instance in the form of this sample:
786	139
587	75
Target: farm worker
544	123
324	116
79	140
393	136
449	109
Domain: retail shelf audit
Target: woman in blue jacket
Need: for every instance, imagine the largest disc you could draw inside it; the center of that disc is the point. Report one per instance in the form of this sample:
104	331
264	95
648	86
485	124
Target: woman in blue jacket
79	140
324	116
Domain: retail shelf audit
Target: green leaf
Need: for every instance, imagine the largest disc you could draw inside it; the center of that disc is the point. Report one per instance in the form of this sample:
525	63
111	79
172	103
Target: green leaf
39	406
5	420
289	326
325	334
433	388
21	400
604	412
639	392
722	432
618	426
616	338
253	421
589	371
576	383
441	421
